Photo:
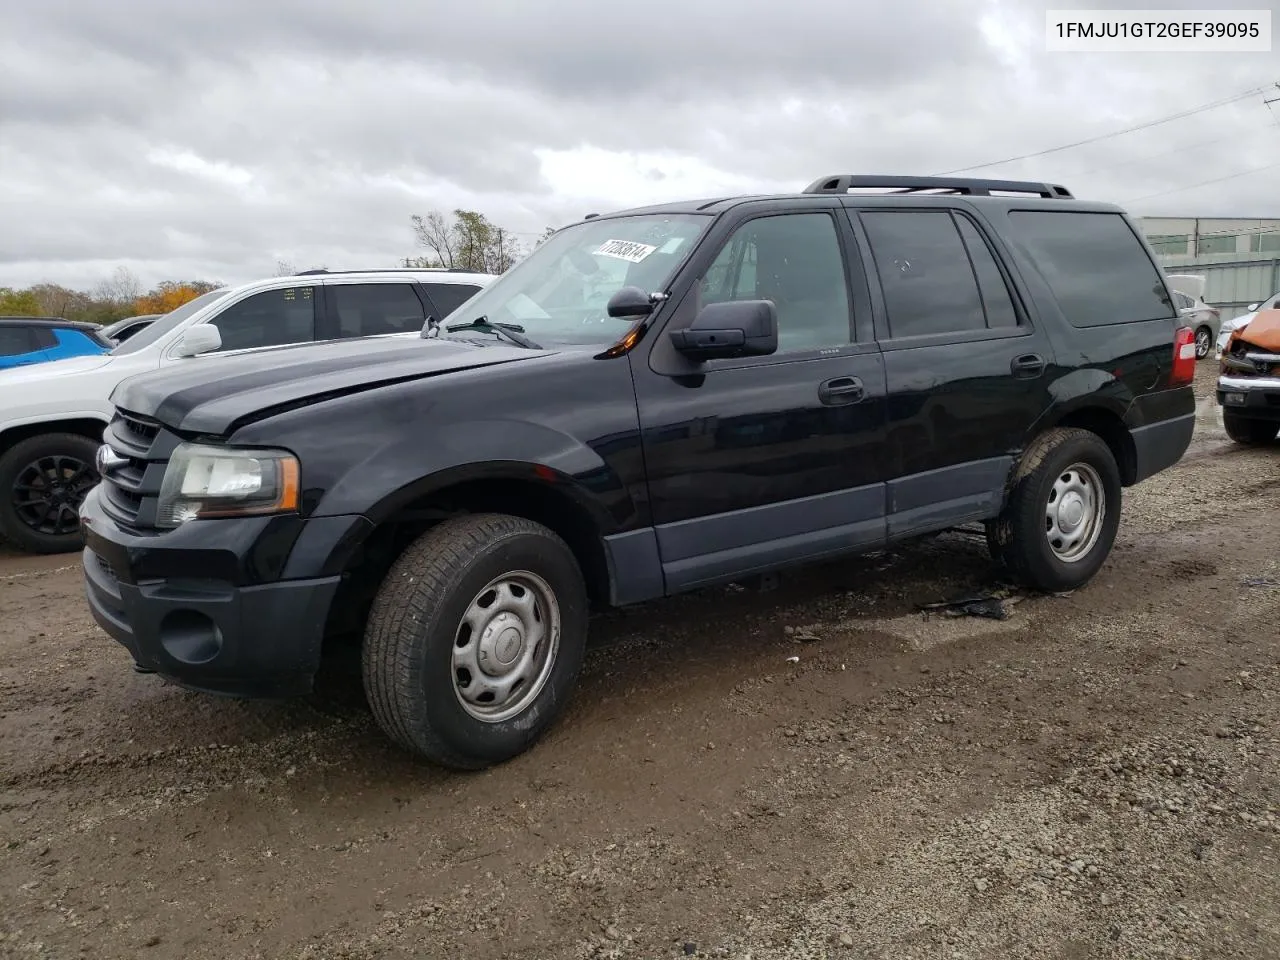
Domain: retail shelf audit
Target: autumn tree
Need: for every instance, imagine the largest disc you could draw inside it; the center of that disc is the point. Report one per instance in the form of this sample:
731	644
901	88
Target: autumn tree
18	303
169	295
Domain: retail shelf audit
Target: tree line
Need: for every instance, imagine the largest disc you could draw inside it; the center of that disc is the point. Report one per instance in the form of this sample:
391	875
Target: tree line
460	240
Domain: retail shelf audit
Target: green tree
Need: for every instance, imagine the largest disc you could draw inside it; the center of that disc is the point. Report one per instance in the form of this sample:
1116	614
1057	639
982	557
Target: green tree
19	303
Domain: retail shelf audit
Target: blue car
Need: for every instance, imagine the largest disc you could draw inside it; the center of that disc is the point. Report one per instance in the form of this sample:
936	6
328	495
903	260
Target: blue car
28	340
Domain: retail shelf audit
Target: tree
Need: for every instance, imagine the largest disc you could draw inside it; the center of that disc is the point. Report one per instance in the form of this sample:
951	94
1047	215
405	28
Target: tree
546	235
18	303
58	301
167	296
122	288
284	268
467	241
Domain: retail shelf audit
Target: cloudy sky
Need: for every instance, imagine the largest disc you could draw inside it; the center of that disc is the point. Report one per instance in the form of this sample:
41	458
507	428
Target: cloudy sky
191	140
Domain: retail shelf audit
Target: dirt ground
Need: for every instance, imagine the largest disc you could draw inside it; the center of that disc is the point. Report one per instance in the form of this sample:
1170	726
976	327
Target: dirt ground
1096	776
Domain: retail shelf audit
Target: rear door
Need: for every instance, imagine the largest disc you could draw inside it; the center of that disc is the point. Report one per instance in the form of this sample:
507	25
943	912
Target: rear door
967	372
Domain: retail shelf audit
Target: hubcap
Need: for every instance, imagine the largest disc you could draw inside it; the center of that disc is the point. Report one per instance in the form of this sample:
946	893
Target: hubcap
1075	512
47	494
506	646
1202	343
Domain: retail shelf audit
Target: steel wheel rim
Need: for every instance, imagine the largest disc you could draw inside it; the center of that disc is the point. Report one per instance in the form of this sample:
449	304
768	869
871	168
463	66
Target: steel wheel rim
1074	512
47	493
505	646
1202	343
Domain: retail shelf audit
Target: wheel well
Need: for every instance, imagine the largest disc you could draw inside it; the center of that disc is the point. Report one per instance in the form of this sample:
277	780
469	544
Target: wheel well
86	427
539	502
1114	434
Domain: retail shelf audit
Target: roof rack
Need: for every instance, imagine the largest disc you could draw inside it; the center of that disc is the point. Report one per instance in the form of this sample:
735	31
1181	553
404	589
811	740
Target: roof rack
311	273
843	183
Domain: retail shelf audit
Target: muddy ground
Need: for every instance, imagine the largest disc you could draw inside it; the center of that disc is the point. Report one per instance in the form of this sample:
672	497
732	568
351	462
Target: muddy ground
1097	776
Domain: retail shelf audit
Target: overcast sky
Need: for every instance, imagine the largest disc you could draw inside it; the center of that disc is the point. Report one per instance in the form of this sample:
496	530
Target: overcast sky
210	140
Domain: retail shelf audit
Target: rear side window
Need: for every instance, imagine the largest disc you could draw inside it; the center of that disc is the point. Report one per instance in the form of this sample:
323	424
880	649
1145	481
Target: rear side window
15	341
1095	266
43	338
373	309
937	272
448	297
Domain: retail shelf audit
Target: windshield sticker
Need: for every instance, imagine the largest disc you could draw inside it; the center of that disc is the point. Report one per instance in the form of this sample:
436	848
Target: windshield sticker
672	245
627	250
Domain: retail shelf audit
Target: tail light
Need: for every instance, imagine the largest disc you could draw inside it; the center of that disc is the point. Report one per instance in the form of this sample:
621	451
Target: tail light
1184	357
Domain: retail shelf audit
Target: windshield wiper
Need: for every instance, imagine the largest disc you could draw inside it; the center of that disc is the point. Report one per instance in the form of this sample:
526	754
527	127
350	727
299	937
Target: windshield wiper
508	331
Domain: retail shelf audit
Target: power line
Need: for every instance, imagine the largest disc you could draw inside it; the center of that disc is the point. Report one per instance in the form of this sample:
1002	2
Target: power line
1204	183
1117	133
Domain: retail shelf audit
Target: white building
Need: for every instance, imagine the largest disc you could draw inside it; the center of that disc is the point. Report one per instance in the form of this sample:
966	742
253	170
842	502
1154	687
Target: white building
1239	257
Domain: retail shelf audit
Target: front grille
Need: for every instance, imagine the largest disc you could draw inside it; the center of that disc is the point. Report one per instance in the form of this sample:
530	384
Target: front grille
131	481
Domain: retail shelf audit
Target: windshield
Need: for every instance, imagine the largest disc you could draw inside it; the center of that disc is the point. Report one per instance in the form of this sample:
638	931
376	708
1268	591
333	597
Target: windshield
149	335
559	292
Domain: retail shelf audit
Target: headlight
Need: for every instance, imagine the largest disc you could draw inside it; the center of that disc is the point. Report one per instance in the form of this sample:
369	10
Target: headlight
203	482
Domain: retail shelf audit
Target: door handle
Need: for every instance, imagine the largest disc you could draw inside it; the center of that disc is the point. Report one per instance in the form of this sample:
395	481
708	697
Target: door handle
842	390
1028	365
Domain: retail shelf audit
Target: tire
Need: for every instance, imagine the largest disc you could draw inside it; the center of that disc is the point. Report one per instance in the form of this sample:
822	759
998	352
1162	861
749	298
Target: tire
23	466
1066	466
411	660
1247	431
1204	342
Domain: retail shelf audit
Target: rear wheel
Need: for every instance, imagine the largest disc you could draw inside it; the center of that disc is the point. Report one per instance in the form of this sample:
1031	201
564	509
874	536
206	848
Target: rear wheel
43	481
1062	513
1204	342
1247	431
475	640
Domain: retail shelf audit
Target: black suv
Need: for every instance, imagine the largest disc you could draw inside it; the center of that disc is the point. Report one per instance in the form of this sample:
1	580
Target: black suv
653	401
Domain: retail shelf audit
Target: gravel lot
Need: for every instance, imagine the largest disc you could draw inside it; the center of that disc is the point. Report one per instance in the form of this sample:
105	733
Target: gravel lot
1096	776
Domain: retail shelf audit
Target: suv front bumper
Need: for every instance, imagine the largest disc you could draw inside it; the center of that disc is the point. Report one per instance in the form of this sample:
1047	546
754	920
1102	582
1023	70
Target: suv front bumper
1257	398
208	633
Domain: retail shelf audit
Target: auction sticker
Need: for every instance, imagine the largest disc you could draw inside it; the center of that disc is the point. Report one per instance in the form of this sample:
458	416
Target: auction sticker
624	250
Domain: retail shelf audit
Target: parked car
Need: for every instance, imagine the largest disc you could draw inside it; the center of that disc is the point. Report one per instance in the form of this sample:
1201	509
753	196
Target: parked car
1205	320
52	416
29	340
122	330
770	381
1249	382
1235	323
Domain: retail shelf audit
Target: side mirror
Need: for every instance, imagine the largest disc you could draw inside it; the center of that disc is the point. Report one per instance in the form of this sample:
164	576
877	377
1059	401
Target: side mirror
630	302
736	328
202	338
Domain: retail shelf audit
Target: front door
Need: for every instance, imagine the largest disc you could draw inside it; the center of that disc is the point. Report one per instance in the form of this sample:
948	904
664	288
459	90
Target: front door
753	463
967	372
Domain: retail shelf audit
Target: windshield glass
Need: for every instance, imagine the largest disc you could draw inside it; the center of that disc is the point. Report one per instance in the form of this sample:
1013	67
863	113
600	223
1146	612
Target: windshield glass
149	335
559	292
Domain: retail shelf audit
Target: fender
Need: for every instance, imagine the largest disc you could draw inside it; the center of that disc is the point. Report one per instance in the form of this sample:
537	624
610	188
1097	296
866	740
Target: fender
1088	389
53	422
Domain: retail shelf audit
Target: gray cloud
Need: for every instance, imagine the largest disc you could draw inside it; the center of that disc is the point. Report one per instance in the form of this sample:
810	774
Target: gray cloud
190	141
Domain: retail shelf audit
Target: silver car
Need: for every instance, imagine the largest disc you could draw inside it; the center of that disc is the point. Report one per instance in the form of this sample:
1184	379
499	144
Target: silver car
1235	323
1205	320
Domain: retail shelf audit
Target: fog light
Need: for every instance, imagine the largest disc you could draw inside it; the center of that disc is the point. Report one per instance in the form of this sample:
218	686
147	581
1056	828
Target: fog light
1234	399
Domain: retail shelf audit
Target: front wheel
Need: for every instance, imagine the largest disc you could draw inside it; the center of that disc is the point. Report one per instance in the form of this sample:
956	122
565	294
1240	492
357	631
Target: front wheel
43	480
475	640
1249	432
1062	514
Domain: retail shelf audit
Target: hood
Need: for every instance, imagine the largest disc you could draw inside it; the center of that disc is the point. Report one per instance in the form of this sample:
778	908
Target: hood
213	393
1263	331
54	368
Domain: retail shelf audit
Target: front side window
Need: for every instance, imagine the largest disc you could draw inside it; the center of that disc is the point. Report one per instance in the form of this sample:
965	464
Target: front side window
167	323
15	341
795	261
372	309
559	293
272	318
448	297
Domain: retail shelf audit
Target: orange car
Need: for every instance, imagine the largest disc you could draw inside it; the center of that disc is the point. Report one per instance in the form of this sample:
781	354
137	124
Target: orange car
1249	383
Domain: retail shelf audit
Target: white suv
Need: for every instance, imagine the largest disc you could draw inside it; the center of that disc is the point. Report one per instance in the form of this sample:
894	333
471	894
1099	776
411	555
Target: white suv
52	414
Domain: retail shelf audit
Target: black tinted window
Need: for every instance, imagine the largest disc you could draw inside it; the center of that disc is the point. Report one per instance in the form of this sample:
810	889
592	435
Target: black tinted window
269	319
370	309
1095	265
929	286
14	341
795	261
42	338
448	297
996	299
